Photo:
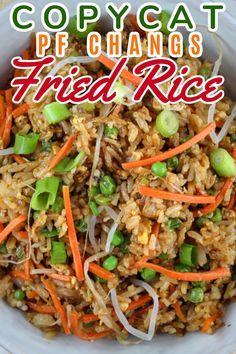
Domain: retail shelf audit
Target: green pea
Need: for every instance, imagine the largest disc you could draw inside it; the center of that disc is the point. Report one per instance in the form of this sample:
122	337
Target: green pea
110	263
81	225
206	73
159	169
144	180
196	295
107	185
174	223
167	123
19	295
172	163
217	217
111	132
233	138
118	238
182	268
147	274
201	221
223	163
102	200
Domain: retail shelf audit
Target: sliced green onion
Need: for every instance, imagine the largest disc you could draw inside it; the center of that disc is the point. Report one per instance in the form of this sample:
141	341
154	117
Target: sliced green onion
107	185
67	165
118	238
36	215
3	248
174	223
233	138
102	199
20	253
124	247
72	28
53	233
46	146
147	274
182	268
88	107
58	205
186	138
163	256
196	295
94	190
159	169
164	18
56	112
206	73
122	92
25	144
94	208
58	253
167	123
188	254
19	295
111	132
100	280
201	221
217	217
110	263
45	194
223	163
81	225
172	163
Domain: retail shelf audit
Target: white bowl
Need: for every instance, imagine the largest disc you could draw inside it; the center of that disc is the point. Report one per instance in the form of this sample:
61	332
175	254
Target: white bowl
17	335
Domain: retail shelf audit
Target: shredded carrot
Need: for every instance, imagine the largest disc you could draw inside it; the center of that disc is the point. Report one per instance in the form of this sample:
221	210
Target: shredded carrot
57	304
100	272
74	245
173	152
20	160
156	229
76	330
41	308
31	294
220	123
232	202
90	317
134	23
179	312
1	227
2	114
210	320
20	110
62	152
61	277
139	303
234	153
8	124
218	199
19	274
25	55
127	75
22	234
184	198
11	226
188	276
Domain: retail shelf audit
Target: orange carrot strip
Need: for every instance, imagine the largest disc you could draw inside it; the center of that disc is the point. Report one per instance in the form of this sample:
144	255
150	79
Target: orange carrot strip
110	64
207	323
220	123
62	152
61	277
19	274
90	317
188	276
173	152
8	124
1	227
75	326
179	312
20	110
100	272
74	245
41	308
57	304
232	202
25	55
184	198
11	226
156	229
22	234
134	23
139	303
31	294
218	199
234	153
20	160
2	115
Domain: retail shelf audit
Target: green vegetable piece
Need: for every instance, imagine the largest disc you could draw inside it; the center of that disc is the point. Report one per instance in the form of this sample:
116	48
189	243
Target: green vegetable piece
167	123
45	194
25	144
163	256
206	73
88	107
223	163
201	221
3	248
72	28
186	138
67	164
56	112
147	274
81	225
102	200
100	280
110	263
46	146
200	284
58	206
118	238
159	169
196	295
53	233
217	217
174	223
19	295
94	190
188	254
111	132
233	138
182	268
58	253
20	253
122	92
93	208
107	185
172	163
211	191
164	18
